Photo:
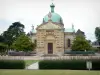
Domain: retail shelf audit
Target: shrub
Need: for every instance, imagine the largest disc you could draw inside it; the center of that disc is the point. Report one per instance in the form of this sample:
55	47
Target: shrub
19	53
12	64
63	64
68	64
80	52
96	64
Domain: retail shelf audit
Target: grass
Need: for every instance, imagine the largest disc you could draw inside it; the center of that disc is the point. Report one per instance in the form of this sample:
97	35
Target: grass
48	72
29	62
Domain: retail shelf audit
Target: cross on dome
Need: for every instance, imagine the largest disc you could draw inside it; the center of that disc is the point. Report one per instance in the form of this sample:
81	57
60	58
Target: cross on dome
49	15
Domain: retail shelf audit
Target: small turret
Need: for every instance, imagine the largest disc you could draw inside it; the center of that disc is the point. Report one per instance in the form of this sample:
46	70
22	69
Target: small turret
73	28
32	27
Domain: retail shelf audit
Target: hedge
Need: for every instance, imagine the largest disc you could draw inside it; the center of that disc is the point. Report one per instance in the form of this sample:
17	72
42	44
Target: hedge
80	52
96	64
12	64
68	64
19	53
62	64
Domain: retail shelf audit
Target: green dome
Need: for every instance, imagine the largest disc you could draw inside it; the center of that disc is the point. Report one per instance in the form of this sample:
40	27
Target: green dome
54	17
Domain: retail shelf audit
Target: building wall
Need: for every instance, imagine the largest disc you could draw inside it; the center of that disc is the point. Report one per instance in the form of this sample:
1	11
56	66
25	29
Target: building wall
57	37
33	37
52	33
70	36
50	36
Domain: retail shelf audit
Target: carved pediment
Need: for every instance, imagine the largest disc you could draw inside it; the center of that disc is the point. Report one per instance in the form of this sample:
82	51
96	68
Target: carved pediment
49	25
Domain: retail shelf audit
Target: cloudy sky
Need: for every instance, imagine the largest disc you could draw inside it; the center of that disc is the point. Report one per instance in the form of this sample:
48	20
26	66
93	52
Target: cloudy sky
84	14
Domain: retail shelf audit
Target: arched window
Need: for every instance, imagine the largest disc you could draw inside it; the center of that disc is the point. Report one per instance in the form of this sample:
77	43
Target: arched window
68	43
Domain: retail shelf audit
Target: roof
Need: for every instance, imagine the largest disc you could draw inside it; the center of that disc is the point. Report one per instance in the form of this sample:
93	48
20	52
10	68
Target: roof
69	30
34	31
54	17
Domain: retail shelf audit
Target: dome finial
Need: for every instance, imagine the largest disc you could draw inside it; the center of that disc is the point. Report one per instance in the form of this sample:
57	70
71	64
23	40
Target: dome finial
52	7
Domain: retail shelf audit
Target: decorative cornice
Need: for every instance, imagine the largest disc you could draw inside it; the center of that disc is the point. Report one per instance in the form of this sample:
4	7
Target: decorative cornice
51	23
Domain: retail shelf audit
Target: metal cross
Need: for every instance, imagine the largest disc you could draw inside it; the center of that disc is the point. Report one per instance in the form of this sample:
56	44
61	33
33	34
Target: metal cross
49	15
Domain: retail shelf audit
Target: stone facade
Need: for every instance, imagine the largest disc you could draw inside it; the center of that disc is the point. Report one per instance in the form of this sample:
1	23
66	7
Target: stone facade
52	38
69	37
54	34
50	33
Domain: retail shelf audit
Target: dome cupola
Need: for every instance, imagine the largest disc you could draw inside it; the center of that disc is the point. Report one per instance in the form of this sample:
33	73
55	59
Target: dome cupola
54	17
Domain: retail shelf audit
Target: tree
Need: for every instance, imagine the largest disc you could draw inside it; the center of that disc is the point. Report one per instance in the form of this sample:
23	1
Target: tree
12	33
3	48
23	43
79	32
34	44
2	39
97	34
80	43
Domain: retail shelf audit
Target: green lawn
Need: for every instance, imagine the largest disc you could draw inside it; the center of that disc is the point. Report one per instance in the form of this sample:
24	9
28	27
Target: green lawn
48	72
29	62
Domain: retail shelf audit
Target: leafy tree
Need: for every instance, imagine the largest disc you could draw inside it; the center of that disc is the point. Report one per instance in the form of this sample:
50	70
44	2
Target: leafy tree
94	49
23	43
81	33
3	48
1	38
89	41
12	33
97	34
80	43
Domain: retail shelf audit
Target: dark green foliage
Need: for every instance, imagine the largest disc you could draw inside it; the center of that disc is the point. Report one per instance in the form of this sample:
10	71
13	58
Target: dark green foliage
97	33
80	43
79	32
12	33
23	43
94	49
80	52
3	48
96	64
12	64
1	39
19	53
68	64
63	64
